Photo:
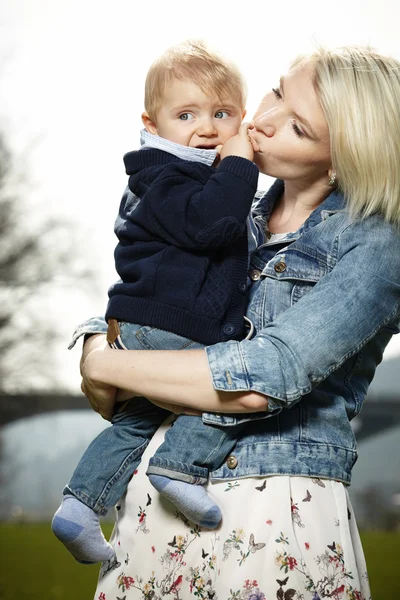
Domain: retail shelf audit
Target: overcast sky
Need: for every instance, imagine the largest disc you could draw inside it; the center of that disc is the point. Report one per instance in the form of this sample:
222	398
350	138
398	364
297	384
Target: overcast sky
72	76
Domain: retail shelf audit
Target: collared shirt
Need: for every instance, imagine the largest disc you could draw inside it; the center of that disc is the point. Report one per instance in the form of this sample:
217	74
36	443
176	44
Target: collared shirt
149	140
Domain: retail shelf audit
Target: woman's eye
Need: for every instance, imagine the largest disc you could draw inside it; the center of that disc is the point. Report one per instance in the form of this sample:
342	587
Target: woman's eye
221	114
277	93
185	117
297	129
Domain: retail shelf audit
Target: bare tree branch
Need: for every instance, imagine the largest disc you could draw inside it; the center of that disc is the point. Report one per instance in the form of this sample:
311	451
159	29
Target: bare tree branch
37	257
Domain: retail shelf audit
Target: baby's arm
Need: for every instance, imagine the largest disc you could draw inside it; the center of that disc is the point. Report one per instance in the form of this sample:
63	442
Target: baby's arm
190	205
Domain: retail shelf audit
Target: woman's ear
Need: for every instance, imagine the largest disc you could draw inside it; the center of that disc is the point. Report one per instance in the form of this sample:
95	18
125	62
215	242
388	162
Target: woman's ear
149	125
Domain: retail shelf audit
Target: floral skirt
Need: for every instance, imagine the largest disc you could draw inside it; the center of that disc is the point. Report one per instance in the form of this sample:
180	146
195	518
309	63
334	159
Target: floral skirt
285	538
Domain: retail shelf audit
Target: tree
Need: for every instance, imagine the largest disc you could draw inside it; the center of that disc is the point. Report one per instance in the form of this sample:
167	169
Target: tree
39	260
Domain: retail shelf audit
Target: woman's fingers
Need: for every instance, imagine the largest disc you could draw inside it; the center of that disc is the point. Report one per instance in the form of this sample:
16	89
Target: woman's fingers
92	402
102	400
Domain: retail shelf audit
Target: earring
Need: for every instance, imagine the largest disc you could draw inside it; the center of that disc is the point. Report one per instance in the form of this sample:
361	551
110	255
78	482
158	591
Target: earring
332	178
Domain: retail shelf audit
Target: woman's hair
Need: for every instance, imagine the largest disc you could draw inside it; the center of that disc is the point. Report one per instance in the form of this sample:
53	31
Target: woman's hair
359	91
193	61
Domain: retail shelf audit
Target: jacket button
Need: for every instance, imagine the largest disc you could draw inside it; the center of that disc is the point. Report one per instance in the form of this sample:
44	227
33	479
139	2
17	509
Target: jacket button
242	287
231	462
255	275
228	329
280	267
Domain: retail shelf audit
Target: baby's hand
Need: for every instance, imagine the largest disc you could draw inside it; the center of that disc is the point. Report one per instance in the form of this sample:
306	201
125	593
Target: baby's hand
238	145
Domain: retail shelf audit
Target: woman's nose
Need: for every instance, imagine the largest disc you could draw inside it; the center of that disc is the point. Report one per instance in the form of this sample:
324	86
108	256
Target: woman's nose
266	123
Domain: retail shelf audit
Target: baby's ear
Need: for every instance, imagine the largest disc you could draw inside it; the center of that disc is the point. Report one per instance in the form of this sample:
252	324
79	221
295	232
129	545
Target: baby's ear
149	125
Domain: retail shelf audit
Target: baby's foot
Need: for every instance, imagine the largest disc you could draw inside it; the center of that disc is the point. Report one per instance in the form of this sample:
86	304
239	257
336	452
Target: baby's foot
77	527
192	500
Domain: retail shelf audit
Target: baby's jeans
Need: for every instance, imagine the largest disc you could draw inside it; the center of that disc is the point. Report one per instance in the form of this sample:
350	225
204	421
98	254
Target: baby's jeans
191	448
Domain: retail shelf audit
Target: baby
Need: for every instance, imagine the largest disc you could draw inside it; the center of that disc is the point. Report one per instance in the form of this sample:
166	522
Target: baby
184	241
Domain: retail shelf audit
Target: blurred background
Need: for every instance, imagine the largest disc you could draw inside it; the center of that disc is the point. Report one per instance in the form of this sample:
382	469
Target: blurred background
71	78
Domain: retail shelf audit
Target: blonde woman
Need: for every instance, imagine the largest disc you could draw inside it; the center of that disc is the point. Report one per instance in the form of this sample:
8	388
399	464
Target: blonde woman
324	302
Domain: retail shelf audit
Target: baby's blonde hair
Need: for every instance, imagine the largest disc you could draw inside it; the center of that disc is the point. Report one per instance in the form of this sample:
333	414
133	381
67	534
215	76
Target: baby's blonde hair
359	91
194	61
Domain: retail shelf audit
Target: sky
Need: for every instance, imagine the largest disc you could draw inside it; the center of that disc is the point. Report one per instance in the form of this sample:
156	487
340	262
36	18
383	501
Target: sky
72	76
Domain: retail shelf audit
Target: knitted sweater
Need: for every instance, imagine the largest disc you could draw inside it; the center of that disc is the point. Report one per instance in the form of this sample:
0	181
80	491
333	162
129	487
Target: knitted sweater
182	254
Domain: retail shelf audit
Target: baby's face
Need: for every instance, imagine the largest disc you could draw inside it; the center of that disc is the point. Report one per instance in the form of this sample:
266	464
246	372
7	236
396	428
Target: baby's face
192	118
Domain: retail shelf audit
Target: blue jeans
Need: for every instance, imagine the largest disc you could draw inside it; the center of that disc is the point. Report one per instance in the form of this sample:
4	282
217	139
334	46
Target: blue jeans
191	448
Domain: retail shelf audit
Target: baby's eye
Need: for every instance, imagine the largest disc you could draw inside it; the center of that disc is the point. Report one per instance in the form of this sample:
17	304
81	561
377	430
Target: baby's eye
221	114
186	117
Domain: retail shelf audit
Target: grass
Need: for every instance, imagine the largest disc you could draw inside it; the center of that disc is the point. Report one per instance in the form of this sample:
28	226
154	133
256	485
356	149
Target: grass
35	566
382	552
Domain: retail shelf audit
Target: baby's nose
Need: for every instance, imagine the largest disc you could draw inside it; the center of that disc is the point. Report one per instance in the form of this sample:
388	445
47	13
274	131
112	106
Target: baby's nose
206	127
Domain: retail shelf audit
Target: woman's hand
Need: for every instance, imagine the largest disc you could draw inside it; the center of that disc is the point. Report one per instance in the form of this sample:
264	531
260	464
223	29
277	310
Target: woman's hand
101	396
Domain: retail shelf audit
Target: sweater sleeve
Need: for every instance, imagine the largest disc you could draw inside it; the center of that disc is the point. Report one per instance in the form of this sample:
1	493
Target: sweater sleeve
194	206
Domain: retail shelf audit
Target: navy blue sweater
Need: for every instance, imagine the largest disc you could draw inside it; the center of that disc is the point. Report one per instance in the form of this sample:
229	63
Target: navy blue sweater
182	254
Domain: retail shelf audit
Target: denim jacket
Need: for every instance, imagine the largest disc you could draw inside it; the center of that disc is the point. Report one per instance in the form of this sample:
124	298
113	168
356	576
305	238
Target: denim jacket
324	307
340	278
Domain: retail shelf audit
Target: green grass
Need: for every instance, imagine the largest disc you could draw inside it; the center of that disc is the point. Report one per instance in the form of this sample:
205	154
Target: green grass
382	552
35	566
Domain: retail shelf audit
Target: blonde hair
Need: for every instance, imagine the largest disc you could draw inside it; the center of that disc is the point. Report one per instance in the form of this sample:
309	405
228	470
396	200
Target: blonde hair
359	91
192	60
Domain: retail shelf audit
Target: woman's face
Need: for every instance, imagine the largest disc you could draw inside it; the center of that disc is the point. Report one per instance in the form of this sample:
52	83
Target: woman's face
291	132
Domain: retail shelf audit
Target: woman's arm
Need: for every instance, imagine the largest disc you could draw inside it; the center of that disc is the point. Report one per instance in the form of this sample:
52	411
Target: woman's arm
348	307
170	377
354	305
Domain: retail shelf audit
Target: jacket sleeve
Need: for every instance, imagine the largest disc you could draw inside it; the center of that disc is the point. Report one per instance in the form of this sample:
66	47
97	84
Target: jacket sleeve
187	207
355	301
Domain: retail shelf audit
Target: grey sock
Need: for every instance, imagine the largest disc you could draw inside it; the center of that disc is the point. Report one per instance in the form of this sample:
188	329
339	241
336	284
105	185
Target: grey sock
192	500
77	527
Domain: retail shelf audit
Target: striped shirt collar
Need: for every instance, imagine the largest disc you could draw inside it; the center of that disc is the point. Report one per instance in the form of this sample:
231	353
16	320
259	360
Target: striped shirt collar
150	140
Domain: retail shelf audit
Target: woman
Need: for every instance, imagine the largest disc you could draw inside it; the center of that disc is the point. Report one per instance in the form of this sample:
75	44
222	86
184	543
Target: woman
325	301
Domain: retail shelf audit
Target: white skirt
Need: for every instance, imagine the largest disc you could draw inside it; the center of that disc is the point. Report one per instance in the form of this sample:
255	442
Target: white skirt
291	538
